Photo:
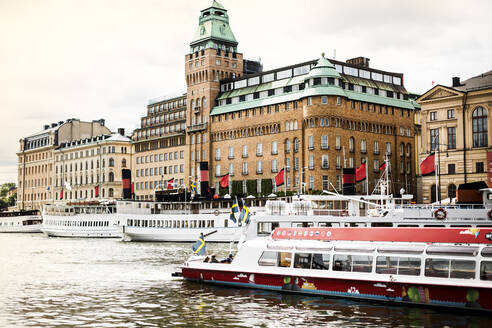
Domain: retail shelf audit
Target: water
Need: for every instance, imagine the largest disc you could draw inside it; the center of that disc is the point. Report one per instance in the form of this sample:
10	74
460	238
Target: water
56	282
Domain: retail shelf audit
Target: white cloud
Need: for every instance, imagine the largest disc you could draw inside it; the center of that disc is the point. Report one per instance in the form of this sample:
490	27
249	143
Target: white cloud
104	59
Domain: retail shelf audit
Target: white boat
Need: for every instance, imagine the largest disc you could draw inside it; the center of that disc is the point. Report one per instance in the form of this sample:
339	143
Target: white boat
175	222
81	220
438	267
21	221
154	221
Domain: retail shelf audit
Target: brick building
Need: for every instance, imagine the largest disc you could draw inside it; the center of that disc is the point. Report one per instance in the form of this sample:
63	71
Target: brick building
311	118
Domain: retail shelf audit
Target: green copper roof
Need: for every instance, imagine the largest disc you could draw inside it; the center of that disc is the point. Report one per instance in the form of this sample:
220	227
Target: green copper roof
213	26
352	95
323	69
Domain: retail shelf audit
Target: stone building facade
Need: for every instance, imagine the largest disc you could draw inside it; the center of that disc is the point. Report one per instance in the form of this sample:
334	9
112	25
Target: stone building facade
36	161
455	122
160	151
91	168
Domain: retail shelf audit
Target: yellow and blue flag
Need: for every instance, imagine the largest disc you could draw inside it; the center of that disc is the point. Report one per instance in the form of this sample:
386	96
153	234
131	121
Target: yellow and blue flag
193	187
234	210
245	214
199	247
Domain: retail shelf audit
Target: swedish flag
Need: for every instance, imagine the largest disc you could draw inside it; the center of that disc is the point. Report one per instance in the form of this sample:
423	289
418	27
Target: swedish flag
193	187
245	214
234	209
199	247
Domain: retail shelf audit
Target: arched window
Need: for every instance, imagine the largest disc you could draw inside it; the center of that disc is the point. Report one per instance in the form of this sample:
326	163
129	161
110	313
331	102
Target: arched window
111	162
479	127
452	191
192	103
123	162
110	192
296	145
287	146
409	150
402	149
111	177
198	103
204	102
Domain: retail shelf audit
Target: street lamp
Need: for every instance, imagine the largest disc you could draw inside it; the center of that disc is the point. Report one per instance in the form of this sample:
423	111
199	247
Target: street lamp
299	186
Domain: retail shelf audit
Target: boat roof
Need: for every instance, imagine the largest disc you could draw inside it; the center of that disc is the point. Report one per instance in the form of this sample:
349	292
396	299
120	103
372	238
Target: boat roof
400	234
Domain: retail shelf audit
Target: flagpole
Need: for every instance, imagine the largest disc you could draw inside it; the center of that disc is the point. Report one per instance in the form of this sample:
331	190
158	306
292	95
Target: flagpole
367	179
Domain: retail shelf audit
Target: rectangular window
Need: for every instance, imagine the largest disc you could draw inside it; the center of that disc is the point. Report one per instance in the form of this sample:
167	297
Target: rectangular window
274	148
324	100
311	142
324	162
274	166
217	170
337	142
231	169
452	137
231	152
479	167
310	101
433	116
245	150
324	142
434	139
325	182
259	149
217	154
245	168
450	114
259	167
451	168
311	162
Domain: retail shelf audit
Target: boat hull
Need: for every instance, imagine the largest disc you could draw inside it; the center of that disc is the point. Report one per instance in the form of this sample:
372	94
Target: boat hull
106	233
460	297
223	235
33	228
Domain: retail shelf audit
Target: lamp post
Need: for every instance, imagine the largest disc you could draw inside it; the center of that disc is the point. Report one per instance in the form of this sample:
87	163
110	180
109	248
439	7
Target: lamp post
299	186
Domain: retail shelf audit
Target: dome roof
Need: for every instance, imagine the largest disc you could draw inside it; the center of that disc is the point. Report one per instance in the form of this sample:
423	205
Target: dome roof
323	69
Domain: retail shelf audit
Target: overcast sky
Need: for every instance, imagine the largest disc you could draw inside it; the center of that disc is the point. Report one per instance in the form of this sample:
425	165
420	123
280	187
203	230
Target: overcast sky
92	59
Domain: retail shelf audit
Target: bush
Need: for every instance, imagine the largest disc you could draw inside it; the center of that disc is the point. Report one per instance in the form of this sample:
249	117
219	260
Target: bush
266	187
251	187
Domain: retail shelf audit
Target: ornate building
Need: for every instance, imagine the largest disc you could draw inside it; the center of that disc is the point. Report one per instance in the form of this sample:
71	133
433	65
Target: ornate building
312	118
455	122
36	162
90	168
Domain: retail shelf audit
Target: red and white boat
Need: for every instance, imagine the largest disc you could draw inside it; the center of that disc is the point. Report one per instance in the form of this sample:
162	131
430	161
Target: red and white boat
442	267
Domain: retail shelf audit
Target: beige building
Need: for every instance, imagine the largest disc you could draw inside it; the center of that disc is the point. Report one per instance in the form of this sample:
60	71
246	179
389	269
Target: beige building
455	122
36	161
91	168
159	145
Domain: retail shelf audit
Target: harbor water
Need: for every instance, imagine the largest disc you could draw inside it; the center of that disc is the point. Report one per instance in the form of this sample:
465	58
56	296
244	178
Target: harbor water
57	282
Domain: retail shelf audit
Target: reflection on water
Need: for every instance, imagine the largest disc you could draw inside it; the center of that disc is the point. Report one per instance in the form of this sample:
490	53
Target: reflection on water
107	283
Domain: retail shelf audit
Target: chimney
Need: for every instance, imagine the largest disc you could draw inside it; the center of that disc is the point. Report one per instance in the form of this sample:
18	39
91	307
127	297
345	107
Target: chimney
359	61
121	131
102	121
60	122
53	125
456	81
46	126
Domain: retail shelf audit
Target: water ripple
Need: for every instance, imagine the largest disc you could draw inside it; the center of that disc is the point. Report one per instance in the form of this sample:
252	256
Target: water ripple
54	282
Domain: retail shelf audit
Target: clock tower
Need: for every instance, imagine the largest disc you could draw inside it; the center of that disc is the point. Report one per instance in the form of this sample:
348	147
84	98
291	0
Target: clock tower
213	57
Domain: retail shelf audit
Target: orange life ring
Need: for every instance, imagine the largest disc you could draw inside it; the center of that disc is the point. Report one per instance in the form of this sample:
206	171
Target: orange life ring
440	213
489	214
216	212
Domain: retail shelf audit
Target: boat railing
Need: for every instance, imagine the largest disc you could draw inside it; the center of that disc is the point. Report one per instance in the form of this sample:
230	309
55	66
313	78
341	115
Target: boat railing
437	206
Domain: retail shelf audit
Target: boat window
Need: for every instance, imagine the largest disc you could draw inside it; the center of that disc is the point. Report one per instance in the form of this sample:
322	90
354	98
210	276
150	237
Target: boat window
281	259
327	224
437	268
401	249
434	225
355	263
486	270
226	223
302	224
487	251
381	224
266	228
284	259
409	266
462	269
303	260
453	250
355	248
321	261
212	223
408	225
268	258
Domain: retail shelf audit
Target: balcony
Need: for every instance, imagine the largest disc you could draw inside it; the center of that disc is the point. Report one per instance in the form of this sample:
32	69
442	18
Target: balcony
196	109
197	127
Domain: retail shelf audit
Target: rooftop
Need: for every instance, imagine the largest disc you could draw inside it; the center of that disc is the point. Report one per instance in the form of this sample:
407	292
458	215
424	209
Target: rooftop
482	81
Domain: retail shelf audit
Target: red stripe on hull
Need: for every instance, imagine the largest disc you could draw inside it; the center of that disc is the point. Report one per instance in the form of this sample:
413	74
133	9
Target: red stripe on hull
432	295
